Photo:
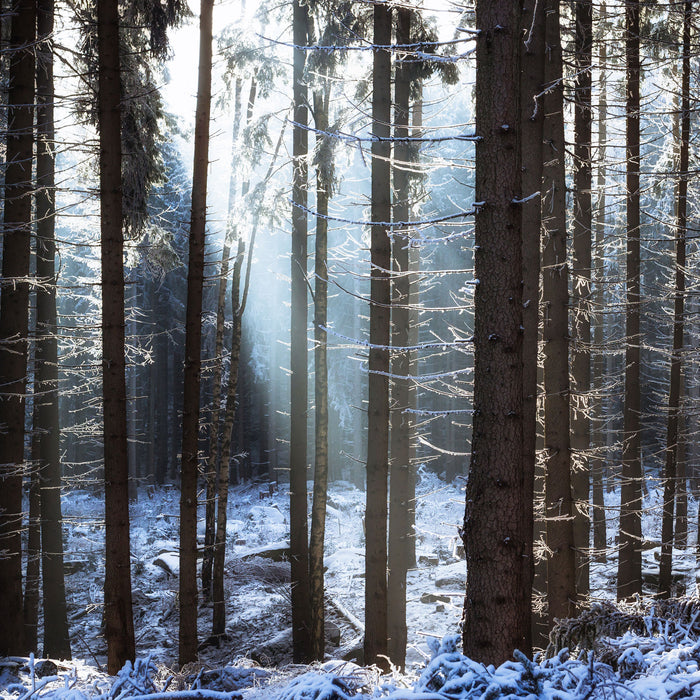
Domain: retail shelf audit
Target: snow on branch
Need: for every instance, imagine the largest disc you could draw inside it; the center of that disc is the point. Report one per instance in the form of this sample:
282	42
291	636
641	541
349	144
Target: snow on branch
400	348
414	49
351	138
389	224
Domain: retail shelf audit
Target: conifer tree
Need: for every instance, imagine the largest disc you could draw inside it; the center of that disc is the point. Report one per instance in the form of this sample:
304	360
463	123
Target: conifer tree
672	432
299	531
629	567
14	318
376	512
119	623
494	538
56	632
193	345
561	571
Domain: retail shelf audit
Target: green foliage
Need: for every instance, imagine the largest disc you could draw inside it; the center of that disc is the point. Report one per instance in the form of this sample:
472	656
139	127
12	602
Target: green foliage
154	17
424	35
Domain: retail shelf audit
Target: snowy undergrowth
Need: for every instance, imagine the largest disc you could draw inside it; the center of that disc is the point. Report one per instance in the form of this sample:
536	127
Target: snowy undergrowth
655	666
647	668
257	590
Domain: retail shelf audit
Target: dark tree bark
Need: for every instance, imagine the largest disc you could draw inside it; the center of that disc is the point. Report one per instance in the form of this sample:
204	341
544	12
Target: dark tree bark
402	422
320	493
299	537
531	85
680	531
119	623
559	512
629	569
581	302
14	318
376	629
495	622
674	396
193	347
598	413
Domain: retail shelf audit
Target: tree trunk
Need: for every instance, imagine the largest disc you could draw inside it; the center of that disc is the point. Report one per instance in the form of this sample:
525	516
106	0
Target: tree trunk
674	396
581	302
402	422
212	467
119	623
680	532
598	413
14	318
414	336
532	120
218	592
629	570
193	345
162	393
376	629
299	539
132	427
495	622
320	494
33	575
559	512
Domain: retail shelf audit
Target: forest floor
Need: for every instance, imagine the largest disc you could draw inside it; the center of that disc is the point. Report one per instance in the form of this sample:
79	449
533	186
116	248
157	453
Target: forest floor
257	577
254	659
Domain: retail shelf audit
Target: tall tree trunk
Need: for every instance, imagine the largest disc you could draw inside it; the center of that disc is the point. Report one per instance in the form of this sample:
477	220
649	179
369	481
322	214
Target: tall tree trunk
413	335
33	574
495	622
581	302
376	629
14	318
238	304
680	531
320	494
193	346
132	426
402	422
598	413
629	569
299	538
218	592
119	623
532	120
161	394
214	432
674	396
559	511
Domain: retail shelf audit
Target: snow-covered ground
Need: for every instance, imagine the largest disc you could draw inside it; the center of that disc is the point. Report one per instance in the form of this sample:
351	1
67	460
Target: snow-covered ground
258	614
254	660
